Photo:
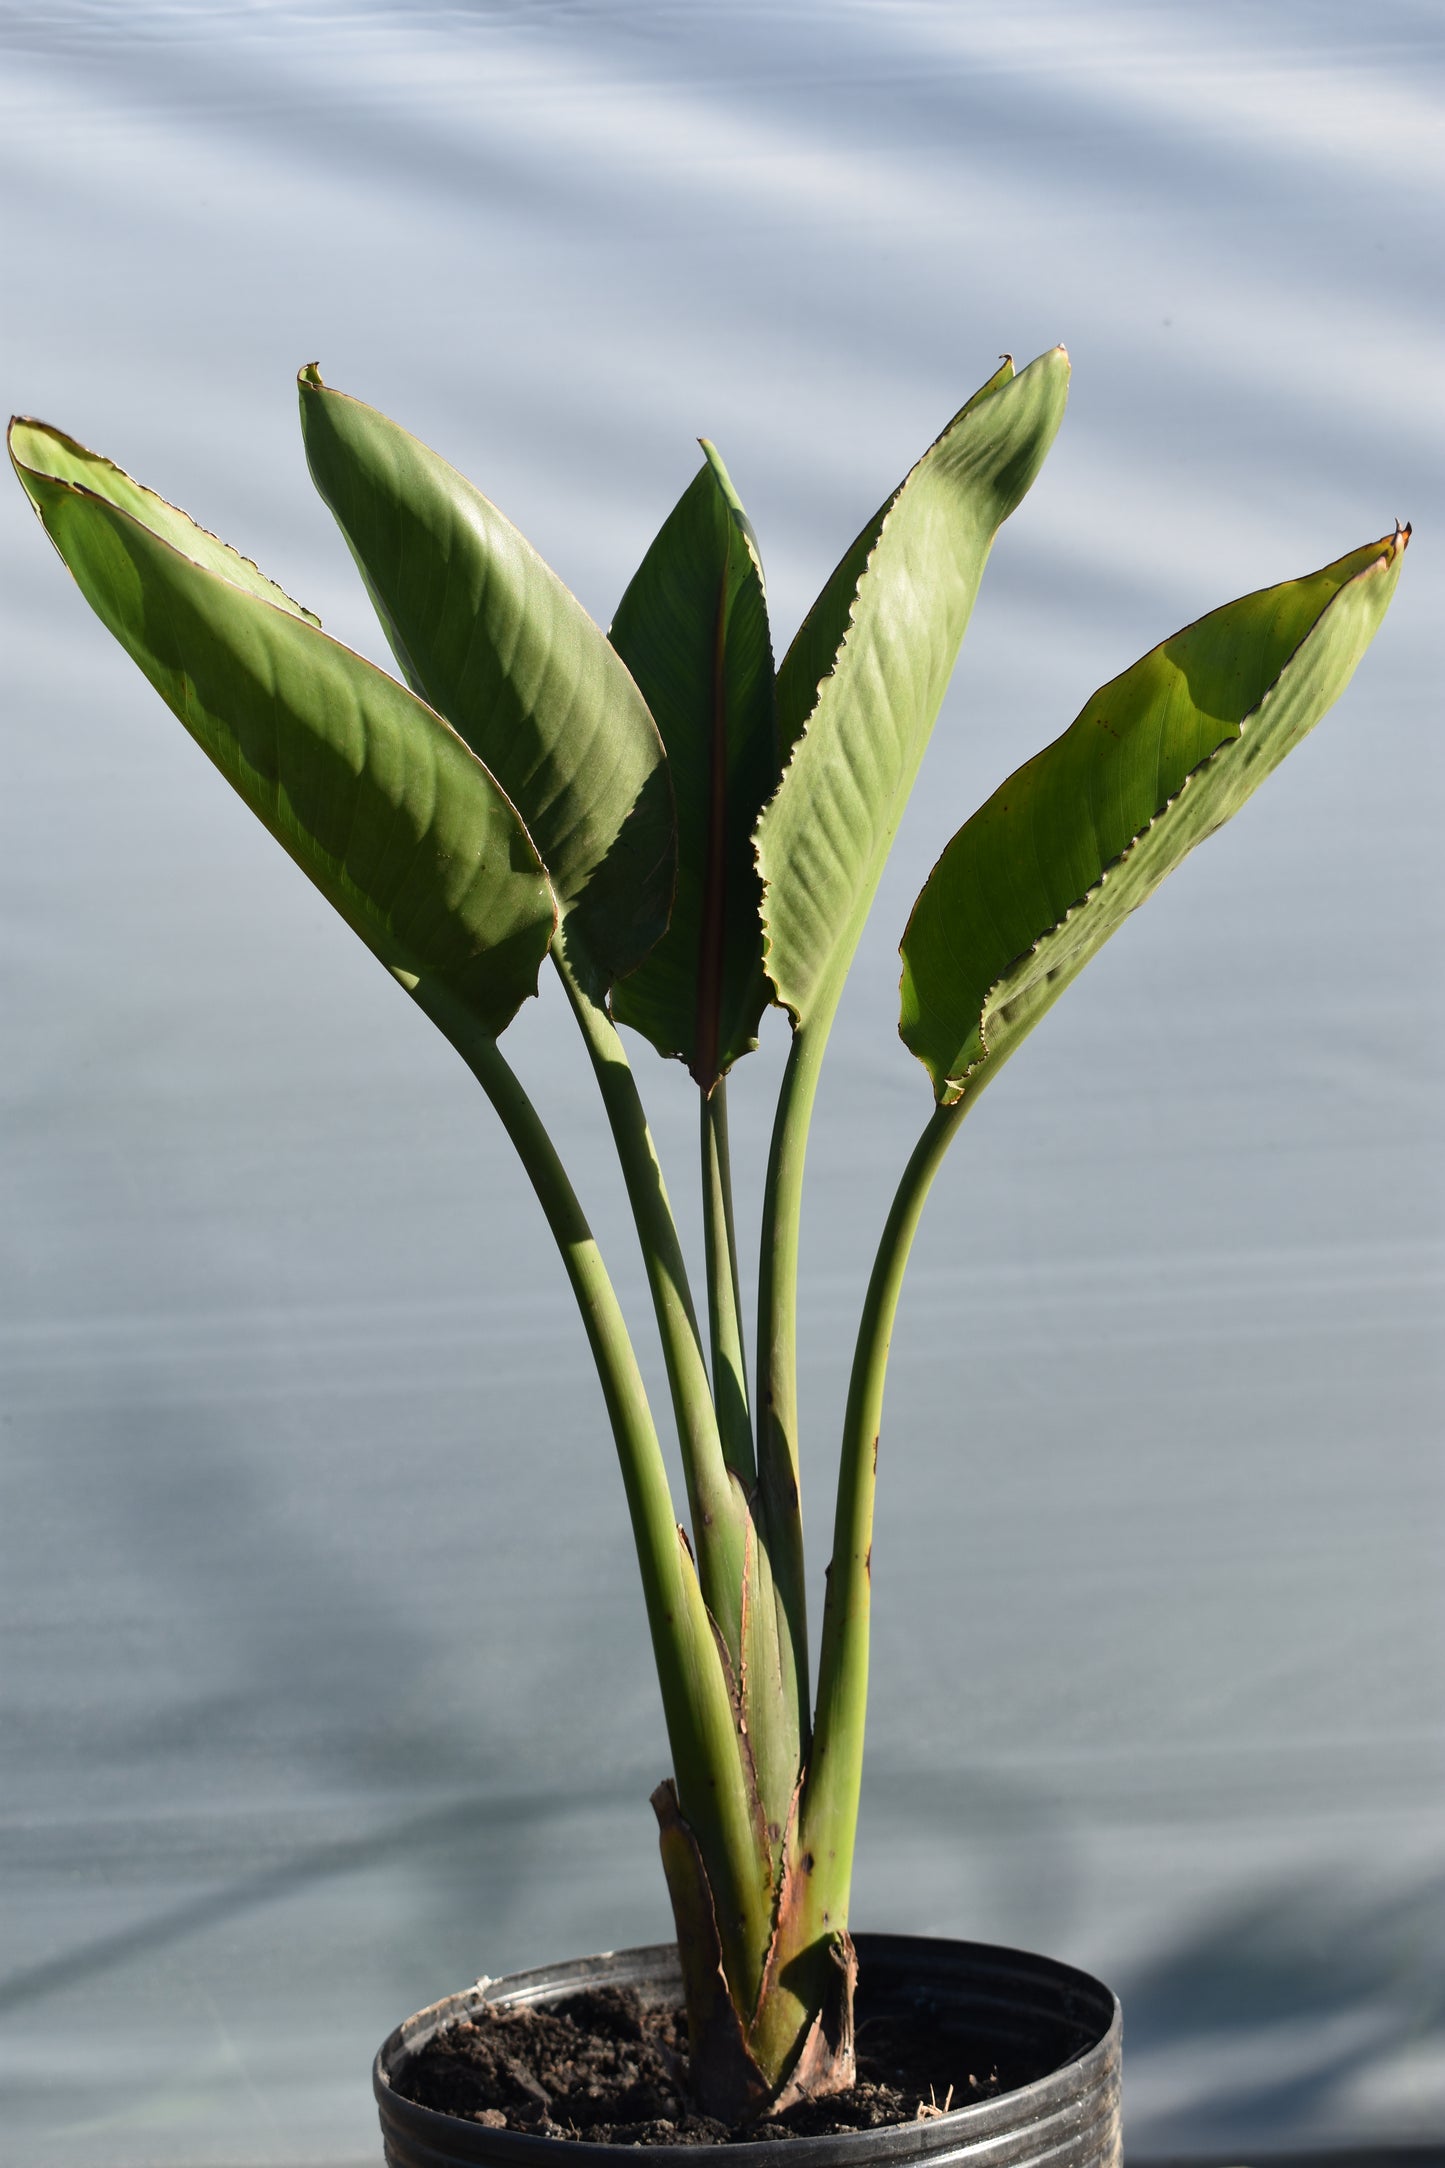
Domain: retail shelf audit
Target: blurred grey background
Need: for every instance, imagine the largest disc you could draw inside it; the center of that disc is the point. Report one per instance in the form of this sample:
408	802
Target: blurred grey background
325	1684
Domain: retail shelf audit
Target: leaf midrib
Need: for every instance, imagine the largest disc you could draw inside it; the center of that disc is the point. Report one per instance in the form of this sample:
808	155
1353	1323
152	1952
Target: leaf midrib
707	1032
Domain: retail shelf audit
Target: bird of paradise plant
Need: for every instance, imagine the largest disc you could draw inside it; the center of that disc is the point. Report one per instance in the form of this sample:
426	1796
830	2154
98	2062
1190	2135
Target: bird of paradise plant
686	834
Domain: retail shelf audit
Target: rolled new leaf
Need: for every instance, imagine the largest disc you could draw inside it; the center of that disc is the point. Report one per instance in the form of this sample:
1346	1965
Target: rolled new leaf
864	679
486	633
1034	884
395	820
693	630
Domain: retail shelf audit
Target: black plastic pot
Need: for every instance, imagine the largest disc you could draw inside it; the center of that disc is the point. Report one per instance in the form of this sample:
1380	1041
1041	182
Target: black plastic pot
1028	2012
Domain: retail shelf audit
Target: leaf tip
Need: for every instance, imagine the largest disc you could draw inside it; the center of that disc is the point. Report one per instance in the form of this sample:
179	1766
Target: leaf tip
724	482
1385	555
308	376
21	428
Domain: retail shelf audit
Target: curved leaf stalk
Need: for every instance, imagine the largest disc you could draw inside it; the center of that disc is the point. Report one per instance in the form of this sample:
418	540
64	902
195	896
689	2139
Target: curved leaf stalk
713	1781
828	1813
724	1299
779	1485
718	1505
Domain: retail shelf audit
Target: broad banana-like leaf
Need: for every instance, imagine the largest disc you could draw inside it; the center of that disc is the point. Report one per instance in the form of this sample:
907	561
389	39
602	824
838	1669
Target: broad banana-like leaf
395	820
693	630
865	677
1034	884
486	633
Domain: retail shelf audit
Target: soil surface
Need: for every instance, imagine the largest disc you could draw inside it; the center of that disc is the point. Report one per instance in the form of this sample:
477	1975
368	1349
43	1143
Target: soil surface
605	2066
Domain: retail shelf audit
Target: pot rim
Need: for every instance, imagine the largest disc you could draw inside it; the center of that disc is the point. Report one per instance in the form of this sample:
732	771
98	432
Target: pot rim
656	1963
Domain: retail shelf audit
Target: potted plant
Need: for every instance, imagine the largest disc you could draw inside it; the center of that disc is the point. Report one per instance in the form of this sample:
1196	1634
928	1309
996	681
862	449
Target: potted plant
686	835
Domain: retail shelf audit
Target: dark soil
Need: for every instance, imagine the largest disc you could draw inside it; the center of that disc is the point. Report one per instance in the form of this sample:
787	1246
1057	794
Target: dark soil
605	2066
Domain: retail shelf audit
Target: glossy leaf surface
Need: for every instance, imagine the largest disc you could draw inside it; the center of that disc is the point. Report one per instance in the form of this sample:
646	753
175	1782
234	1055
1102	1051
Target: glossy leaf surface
486	633
693	630
1034	884
867	673
378	801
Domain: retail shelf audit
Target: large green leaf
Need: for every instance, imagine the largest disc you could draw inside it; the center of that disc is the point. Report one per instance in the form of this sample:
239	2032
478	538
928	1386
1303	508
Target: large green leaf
1034	884
395	819
488	634
693	630
866	675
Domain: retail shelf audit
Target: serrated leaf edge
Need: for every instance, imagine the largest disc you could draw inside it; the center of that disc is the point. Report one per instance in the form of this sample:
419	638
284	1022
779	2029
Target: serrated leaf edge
309	380
33	421
780	997
986	391
954	1087
78	489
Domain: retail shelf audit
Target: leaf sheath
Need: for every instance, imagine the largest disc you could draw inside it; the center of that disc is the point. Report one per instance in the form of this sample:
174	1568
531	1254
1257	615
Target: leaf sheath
717	1504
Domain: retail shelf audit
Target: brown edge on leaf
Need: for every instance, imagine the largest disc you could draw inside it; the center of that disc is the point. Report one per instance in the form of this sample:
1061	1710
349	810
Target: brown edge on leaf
726	2081
953	1088
827	2060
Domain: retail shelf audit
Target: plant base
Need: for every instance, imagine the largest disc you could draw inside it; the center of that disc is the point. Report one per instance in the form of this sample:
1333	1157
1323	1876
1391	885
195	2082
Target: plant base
1056	2027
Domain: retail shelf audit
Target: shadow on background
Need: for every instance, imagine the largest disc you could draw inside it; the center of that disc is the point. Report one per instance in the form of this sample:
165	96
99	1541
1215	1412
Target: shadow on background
1278	2008
270	1885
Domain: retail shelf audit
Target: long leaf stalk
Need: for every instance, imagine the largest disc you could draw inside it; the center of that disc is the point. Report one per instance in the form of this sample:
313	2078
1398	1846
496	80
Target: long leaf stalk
779	1475
776	1896
734	1558
724	1297
829	1812
767	1683
716	1503
712	1781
